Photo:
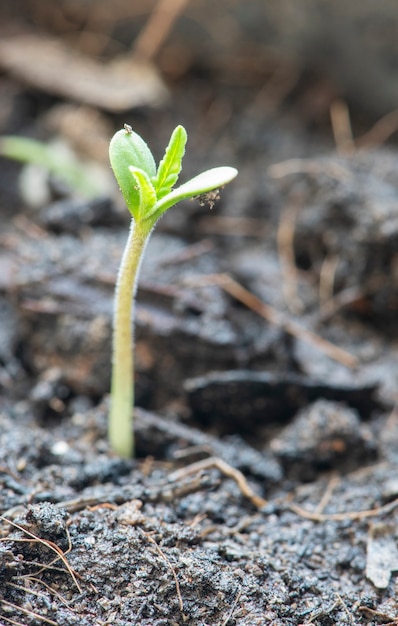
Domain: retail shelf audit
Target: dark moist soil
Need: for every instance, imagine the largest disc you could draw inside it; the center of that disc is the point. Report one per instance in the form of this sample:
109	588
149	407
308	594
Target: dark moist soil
265	488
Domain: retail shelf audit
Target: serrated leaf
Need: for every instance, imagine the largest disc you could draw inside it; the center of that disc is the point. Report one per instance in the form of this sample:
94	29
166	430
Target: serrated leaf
204	182
146	193
170	166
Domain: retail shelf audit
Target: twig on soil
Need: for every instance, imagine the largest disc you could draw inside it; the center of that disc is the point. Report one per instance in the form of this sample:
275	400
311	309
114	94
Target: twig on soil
276	318
345	607
162	554
379	615
189	451
26	612
332	484
285	238
12	621
164	492
49	544
227	470
272	93
232	611
319	613
344	298
327	276
158	27
47	566
37	593
309	166
340	517
43	566
380	132
341	125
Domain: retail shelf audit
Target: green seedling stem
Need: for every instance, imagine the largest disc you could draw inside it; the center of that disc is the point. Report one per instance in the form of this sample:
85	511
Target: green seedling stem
148	192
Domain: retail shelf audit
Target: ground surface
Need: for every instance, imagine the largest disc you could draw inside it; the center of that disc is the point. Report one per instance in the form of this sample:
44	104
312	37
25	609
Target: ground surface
265	489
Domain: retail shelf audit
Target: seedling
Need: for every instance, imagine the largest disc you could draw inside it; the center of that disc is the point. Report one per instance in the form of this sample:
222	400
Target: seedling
148	193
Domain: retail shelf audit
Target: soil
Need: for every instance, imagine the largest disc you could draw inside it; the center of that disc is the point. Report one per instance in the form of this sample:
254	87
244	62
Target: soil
265	486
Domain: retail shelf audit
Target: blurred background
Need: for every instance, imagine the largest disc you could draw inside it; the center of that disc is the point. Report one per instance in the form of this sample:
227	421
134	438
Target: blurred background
210	65
254	82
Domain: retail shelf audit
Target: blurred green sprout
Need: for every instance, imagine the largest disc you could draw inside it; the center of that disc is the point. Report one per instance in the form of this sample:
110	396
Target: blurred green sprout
51	158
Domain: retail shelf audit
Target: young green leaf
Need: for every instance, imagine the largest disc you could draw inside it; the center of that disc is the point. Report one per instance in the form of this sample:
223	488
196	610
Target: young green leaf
146	192
204	182
148	195
127	148
170	166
